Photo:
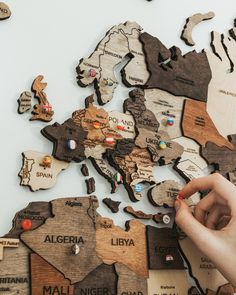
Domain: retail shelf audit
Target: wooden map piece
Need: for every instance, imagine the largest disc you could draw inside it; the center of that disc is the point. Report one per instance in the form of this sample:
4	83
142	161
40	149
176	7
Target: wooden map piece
102	280
134	164
118	119
226	289
210	292
222	91
184	75
112	205
7	243
191	23
201	268
137	214
168	282
193	291
5	11
164	218
90	185
129	282
60	134
197	125
222	158
165	193
37	212
163	249
164	106
42	111
84	170
14	271
54	239
113	244
120	41
24	102
45	279
36	175
191	164
232	31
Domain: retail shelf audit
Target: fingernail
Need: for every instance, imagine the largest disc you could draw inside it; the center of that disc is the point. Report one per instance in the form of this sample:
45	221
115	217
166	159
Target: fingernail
180	196
177	204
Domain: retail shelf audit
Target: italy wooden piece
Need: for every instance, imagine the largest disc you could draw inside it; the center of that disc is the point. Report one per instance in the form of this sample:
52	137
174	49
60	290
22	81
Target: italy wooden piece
14	271
163	252
40	171
36	212
201	267
7	243
165	106
113	244
73	223
168	282
222	158
102	280
226	289
90	185
45	279
191	164
222	89
24	102
182	75
43	110
197	125
84	170
119	42
5	11
112	205
165	193
129	282
191	23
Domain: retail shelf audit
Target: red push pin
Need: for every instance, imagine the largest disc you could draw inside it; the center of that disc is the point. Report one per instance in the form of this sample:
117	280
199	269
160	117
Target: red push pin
26	224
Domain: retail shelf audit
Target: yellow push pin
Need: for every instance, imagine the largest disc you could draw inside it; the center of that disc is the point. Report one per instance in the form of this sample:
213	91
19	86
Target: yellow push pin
47	162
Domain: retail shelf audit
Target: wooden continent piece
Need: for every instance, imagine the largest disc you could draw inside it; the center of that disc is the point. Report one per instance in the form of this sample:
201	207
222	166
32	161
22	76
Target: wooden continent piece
43	110
191	23
84	170
197	125
90	182
112	205
5	11
73	224
187	75
40	171
24	102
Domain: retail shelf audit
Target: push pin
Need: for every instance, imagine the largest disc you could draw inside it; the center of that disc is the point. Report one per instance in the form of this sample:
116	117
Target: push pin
47	108
162	145
92	73
166	219
169	258
96	125
71	144
118	177
109	82
26	224
170	122
121	127
138	188
47	162
75	249
110	140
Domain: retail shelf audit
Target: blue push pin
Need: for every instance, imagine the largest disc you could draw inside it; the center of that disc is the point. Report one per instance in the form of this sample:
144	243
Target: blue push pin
138	188
170	122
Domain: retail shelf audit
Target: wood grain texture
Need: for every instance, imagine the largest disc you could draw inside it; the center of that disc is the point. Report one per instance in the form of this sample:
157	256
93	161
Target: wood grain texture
37	176
112	205
187	75
197	125
24	102
127	247
5	11
201	267
222	158
54	239
102	280
14	271
7	243
43	110
129	282
163	242
191	23
45	279
37	212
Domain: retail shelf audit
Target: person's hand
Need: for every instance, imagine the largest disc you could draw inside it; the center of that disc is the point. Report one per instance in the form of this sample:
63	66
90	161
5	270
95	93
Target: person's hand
212	227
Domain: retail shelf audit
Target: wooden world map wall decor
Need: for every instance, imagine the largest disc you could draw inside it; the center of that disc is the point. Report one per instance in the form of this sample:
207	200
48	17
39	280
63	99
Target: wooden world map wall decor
173	117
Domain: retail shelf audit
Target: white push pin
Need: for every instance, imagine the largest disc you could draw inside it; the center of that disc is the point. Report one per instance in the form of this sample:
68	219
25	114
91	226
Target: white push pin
75	249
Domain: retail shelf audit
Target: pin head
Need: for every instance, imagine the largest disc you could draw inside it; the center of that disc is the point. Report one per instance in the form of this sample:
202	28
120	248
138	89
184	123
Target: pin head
96	125
47	161
162	145
71	144
166	219
138	188
118	177
121	127
26	224
92	73
170	122
110	139
109	82
169	258
75	249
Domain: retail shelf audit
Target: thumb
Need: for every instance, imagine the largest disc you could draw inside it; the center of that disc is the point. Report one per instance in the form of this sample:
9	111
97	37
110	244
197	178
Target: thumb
202	236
